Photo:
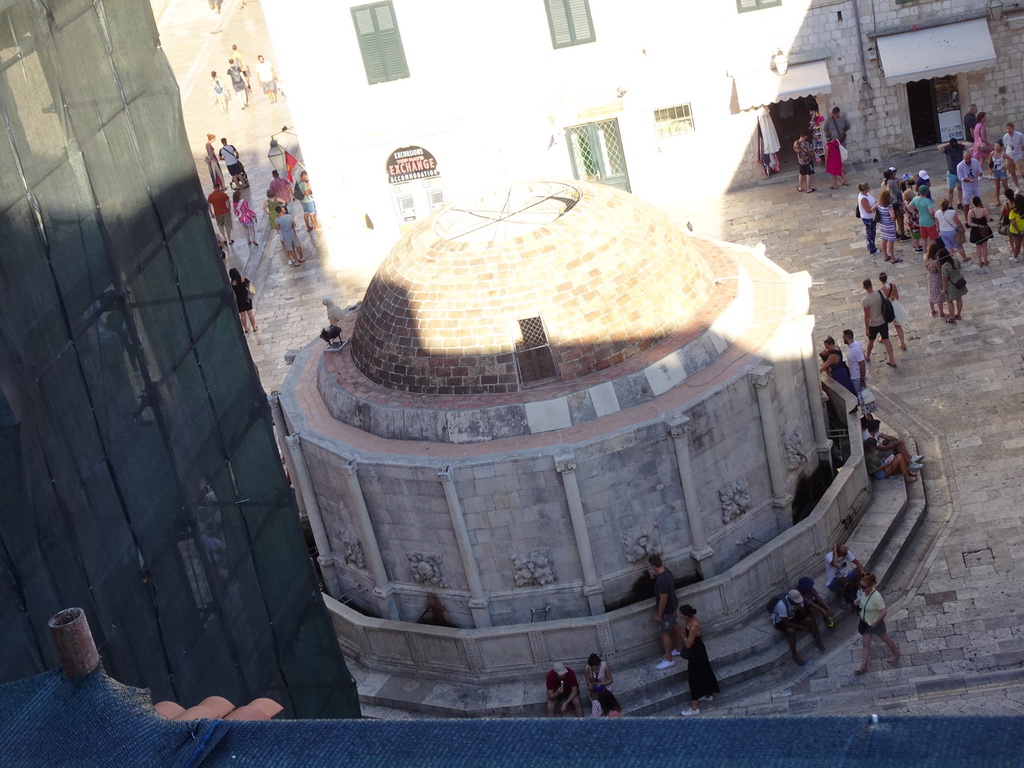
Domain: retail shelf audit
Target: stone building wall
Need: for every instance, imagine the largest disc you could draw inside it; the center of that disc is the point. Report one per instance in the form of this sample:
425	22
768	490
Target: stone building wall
632	69
514	653
515	506
878	112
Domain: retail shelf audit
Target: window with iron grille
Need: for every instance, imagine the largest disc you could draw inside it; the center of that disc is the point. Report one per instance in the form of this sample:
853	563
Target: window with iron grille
533	354
380	43
673	121
742	6
570	22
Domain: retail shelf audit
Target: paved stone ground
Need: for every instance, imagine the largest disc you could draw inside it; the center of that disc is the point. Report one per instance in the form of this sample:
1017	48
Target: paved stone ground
957	604
288	301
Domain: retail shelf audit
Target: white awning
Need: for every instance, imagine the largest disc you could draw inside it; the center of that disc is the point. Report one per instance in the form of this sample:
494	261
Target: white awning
936	52
758	89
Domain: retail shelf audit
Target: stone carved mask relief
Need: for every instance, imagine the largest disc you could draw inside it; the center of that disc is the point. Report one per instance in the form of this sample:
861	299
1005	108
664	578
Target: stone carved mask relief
533	569
353	550
735	498
794	450
426	569
641	541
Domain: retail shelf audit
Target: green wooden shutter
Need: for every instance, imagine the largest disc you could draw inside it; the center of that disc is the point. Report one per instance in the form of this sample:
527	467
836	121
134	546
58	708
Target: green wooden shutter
570	22
391	43
561	35
583	31
752	5
380	43
368	45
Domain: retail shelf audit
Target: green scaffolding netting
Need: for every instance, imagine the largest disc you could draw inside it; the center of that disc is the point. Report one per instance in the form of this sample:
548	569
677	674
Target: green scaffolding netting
139	477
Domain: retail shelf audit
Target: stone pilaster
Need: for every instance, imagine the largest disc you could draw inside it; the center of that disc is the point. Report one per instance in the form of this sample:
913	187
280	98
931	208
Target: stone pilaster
679	429
280	434
300	475
761	378
478	599
565	463
822	444
356	504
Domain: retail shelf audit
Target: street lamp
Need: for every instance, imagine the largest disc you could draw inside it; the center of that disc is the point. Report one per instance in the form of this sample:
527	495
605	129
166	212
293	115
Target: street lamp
276	156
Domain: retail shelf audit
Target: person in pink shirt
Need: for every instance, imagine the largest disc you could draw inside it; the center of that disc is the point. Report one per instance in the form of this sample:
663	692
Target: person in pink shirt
281	188
982	149
246	216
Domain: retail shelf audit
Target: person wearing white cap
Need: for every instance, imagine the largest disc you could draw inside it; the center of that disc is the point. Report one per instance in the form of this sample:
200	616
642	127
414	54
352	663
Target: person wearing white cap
563	690
790	615
969	173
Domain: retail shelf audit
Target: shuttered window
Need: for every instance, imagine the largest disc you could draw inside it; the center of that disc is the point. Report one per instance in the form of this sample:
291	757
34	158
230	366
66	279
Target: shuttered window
570	22
743	6
380	43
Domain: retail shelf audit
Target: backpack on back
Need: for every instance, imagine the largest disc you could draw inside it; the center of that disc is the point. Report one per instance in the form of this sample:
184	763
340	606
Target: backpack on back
236	75
888	313
297	191
218	87
773	602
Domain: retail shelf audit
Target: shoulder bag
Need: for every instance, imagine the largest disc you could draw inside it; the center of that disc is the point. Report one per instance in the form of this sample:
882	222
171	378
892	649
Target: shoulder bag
862	625
959	238
960	282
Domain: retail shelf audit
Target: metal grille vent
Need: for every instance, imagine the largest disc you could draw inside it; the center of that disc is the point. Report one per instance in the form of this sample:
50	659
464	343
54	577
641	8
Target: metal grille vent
533	355
531	330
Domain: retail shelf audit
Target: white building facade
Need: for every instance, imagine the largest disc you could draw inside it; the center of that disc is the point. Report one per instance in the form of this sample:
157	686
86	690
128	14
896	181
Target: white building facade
404	105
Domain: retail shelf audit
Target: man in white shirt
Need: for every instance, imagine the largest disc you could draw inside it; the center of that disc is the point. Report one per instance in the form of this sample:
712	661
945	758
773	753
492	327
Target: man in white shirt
969	173
1013	141
857	363
842	570
229	155
267	77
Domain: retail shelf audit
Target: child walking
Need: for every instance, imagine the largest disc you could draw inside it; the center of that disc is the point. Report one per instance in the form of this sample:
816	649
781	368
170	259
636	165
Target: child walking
246	216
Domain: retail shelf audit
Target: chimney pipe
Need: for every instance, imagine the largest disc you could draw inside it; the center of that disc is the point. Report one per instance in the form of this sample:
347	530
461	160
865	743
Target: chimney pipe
69	630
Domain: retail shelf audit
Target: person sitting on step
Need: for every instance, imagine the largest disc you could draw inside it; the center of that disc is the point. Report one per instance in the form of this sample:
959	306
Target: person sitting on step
872	427
791	615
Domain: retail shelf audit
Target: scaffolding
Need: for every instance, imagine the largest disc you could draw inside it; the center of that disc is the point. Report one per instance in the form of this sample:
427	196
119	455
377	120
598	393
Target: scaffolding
139	477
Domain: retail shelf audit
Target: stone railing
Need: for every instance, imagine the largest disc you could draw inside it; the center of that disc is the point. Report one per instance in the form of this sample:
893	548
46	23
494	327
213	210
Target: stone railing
626	635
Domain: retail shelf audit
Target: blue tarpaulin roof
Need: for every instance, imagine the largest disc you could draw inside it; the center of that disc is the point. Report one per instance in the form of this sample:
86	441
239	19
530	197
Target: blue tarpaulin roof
47	720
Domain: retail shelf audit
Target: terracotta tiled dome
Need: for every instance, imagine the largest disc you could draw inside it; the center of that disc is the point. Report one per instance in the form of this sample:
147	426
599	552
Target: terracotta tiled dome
528	283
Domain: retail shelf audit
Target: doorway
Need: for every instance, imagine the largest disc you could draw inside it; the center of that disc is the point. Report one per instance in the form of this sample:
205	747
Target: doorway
791	118
595	150
934	107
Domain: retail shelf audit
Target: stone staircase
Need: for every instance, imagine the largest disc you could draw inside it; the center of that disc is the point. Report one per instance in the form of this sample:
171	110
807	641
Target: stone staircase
747	659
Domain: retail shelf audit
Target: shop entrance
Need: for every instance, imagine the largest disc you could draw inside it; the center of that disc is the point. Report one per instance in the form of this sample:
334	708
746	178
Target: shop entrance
791	118
934	110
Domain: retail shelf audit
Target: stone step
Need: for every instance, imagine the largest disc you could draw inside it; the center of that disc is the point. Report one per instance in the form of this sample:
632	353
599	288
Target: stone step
771	659
746	660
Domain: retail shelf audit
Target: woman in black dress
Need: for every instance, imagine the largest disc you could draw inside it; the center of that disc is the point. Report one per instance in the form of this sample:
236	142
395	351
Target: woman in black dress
242	289
703	684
